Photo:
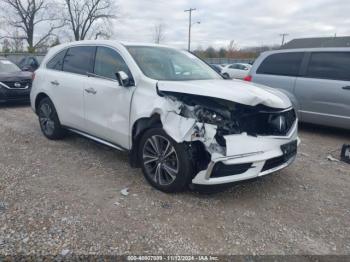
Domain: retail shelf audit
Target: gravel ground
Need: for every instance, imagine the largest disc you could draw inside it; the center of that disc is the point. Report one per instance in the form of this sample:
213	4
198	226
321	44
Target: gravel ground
61	197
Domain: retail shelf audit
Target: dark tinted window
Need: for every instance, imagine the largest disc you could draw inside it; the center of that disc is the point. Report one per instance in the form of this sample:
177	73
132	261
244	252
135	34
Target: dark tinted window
329	65
108	62
286	64
79	60
56	62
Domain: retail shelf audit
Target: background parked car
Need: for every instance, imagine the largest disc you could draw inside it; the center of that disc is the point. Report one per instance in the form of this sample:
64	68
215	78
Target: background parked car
317	80
237	70
29	63
15	84
216	67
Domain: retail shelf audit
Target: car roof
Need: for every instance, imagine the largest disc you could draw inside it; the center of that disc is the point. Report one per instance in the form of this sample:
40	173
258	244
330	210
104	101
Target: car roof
110	42
316	49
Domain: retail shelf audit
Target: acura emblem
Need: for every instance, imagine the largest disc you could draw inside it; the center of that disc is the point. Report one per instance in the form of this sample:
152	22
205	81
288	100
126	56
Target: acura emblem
17	85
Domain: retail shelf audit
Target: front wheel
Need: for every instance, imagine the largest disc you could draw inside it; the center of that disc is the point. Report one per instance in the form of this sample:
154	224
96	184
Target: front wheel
165	163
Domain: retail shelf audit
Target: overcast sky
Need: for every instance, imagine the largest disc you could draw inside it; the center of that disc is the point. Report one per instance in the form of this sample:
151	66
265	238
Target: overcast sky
247	22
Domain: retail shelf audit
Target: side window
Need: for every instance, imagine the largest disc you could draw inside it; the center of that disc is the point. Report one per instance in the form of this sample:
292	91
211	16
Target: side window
329	65
234	66
56	62
79	60
108	62
287	64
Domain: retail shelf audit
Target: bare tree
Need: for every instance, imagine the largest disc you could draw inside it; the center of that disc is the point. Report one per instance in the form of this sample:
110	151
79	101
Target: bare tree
87	17
27	15
158	33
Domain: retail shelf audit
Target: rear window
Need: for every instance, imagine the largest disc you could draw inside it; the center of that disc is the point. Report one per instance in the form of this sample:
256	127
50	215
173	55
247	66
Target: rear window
79	60
56	62
329	65
287	64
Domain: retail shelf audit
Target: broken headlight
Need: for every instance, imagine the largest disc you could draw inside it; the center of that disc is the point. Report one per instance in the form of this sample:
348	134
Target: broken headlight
208	116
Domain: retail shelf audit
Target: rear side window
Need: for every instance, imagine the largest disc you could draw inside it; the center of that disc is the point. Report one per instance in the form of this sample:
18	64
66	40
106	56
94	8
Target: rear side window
329	65
79	60
287	64
108	62
56	62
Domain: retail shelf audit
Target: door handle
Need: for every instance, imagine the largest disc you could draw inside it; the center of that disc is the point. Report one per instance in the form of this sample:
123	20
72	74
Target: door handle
55	83
346	87
90	90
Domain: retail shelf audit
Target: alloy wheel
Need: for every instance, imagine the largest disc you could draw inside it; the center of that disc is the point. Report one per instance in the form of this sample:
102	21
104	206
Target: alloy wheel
160	160
46	119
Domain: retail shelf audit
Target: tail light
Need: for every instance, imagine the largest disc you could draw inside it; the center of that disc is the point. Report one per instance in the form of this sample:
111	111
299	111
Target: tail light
33	76
248	78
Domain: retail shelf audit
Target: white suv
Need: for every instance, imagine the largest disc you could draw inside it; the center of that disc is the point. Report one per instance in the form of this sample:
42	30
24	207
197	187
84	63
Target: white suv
178	119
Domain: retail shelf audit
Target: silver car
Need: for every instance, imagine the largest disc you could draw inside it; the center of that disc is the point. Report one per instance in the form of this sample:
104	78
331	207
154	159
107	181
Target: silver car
317	80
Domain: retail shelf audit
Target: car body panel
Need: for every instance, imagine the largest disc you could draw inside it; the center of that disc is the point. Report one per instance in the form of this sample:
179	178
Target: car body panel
236	90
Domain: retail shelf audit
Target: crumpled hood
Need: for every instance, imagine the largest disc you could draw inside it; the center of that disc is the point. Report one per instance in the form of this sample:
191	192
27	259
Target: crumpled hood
233	90
15	76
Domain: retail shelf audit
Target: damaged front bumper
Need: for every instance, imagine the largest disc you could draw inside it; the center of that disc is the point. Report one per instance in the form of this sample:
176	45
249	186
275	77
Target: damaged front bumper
249	157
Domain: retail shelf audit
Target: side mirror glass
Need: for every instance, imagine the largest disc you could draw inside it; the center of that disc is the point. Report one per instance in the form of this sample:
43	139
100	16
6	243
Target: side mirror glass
123	79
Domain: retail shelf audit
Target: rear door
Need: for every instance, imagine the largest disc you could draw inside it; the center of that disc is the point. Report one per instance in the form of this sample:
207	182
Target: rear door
323	91
107	104
67	76
279	70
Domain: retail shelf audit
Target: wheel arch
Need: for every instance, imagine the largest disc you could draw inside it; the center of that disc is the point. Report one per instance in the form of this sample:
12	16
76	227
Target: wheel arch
138	129
38	98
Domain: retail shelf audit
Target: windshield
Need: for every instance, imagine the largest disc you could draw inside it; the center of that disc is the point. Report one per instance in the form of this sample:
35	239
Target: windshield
7	66
162	63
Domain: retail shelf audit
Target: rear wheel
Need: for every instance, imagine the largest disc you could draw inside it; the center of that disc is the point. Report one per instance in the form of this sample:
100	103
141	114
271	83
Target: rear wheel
226	75
48	119
164	162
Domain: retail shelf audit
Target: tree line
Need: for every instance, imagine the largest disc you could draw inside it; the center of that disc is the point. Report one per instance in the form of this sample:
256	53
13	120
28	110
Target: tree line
233	51
37	24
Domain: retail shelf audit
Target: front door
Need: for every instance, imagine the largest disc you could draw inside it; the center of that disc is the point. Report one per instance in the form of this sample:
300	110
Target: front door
107	104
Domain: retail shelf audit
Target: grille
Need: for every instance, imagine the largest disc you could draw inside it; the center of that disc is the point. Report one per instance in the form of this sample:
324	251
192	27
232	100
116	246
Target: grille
22	84
222	170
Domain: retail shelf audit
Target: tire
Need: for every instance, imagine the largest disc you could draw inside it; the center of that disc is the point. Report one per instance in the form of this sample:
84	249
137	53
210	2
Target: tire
226	75
168	170
48	119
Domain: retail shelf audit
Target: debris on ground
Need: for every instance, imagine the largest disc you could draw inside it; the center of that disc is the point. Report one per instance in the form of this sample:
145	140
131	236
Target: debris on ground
64	252
125	191
331	158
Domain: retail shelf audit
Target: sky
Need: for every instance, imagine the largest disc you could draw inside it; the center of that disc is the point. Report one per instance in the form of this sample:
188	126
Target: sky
247	22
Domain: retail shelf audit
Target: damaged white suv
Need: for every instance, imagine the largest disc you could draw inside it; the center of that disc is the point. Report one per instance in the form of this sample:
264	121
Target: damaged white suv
178	119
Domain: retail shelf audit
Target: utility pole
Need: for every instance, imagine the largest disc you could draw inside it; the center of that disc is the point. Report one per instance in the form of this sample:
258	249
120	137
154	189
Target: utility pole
189	26
283	36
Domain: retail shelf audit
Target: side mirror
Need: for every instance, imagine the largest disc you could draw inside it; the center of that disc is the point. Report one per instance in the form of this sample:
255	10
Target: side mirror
123	78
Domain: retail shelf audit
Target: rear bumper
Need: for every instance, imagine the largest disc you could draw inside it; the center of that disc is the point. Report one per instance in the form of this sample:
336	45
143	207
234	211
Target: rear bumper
248	157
